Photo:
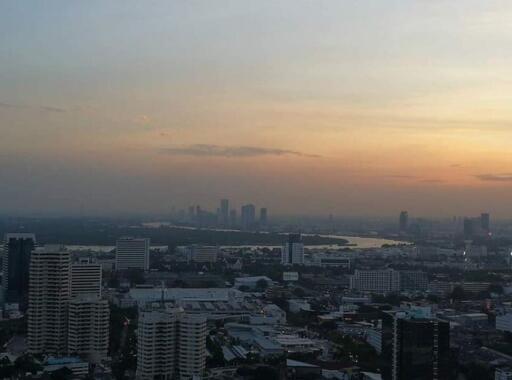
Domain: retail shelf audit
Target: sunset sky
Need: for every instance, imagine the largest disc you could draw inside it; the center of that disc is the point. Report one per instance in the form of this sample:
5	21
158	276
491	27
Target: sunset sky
308	107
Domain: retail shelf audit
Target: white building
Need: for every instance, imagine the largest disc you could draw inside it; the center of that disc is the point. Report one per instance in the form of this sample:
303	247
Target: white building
388	281
88	327
49	294
293	251
86	278
132	253
504	322
202	254
170	344
379	281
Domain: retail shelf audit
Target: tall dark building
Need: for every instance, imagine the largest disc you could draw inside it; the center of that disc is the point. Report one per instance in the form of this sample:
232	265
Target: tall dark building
18	248
232	218
263	217
248	216
468	228
416	348
485	222
404	221
224	212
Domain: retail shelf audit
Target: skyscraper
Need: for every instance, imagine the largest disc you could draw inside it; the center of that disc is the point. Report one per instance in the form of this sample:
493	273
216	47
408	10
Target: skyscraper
232	218
263	217
132	253
16	262
418	347
485	222
49	294
293	251
224	212
88	327
404	221
248	216
170	344
86	278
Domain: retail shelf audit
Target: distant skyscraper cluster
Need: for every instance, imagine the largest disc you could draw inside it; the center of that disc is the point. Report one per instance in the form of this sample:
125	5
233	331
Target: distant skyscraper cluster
247	218
477	226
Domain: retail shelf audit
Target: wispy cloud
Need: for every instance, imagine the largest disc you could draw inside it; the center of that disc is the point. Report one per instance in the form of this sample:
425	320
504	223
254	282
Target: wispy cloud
505	177
26	107
208	150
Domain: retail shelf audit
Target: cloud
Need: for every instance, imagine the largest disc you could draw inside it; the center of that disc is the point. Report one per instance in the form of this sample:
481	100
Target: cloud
506	177
208	150
40	108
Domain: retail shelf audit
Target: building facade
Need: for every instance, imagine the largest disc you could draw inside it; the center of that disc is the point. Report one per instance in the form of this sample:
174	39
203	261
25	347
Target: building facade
18	248
49	294
132	253
293	251
86	278
170	344
88	327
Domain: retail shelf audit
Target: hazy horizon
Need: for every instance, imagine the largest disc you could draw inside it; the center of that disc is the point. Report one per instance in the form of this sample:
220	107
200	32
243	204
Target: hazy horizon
306	108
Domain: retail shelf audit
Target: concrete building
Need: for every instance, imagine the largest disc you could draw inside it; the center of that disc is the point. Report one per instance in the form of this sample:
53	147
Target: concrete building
15	266
403	221
388	281
293	251
263	217
170	344
248	216
202	254
49	293
88	327
86	278
224	212
132	253
419	348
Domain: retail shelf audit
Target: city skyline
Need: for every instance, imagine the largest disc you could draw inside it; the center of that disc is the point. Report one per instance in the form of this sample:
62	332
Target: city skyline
352	108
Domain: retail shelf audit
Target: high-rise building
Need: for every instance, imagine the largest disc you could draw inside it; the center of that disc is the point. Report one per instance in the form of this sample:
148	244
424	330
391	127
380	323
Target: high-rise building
232	218
132	253
263	217
248	216
201	253
293	251
469	229
170	344
404	221
16	262
388	281
192	346
224	212
49	293
86	278
418	349
485	222
88	327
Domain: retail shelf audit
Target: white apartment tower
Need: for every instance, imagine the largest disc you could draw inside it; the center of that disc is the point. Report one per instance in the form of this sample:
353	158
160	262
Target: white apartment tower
88	327
132	253
293	251
86	278
49	293
170	344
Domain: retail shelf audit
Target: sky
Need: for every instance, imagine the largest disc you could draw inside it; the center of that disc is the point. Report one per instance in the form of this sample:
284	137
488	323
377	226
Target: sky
362	107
